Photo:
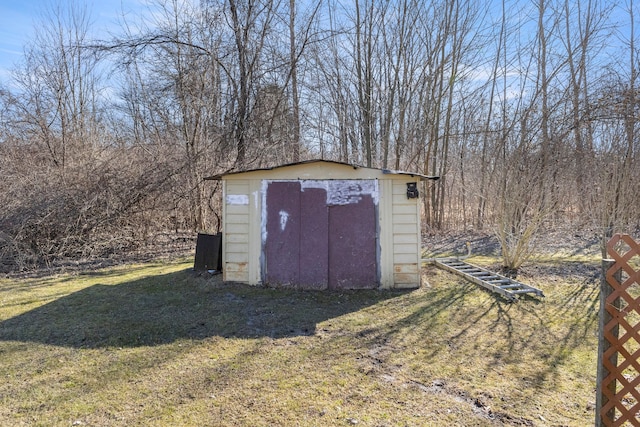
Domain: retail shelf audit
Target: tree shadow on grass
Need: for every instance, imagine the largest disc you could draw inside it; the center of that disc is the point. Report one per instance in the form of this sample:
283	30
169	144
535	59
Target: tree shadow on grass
163	309
463	315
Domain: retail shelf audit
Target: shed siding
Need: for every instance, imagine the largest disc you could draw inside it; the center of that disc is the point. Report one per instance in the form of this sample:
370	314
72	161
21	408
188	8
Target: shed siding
255	231
406	229
385	212
235	243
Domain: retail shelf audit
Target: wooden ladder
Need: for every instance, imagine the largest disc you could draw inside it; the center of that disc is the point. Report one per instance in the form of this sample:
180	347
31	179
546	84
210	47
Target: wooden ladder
503	285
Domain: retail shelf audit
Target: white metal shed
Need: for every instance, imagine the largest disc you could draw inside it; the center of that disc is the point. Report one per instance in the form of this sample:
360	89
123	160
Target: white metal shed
321	224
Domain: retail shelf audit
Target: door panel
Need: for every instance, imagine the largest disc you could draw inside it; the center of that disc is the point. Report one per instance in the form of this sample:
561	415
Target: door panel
282	246
352	246
314	242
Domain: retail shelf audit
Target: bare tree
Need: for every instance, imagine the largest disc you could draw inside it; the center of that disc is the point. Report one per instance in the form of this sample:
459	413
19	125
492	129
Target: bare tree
295	96
620	113
58	86
69	188
515	111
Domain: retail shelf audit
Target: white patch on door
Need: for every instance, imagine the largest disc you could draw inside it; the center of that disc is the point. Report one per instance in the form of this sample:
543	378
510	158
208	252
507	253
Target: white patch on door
344	191
284	217
312	183
263	213
349	192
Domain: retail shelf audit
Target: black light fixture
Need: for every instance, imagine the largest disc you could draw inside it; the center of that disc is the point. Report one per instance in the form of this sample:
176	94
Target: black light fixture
412	190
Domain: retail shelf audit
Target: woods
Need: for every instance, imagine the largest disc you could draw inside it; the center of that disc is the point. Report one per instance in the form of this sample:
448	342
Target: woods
528	111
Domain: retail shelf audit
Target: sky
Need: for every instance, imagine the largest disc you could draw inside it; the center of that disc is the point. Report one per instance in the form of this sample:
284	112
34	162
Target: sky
15	28
18	18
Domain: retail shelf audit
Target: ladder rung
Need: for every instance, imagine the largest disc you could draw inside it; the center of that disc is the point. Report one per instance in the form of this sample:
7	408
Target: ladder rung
524	291
499	281
511	286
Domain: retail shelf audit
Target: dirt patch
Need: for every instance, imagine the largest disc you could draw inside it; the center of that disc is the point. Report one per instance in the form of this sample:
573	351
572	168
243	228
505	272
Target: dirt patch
375	362
477	404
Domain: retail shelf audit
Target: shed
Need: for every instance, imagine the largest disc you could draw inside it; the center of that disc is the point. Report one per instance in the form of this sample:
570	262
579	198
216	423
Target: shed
321	224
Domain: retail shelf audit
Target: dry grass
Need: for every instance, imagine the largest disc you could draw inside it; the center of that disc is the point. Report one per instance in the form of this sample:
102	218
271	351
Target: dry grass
155	345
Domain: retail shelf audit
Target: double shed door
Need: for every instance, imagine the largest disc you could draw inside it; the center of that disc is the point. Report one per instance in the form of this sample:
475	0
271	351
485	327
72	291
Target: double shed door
320	234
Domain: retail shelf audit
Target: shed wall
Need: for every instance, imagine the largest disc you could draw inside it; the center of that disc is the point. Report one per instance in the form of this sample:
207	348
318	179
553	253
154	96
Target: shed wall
406	237
236	236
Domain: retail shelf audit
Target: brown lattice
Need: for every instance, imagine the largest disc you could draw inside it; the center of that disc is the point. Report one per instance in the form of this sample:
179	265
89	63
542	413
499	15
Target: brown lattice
620	359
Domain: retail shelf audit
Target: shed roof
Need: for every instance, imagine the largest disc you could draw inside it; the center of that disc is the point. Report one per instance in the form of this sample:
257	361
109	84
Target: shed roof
384	171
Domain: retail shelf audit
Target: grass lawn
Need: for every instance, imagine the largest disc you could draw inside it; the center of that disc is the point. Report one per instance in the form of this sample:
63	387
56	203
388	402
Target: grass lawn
155	345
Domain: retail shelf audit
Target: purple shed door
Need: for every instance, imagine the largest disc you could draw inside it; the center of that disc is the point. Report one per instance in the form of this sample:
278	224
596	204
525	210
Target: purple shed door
320	234
352	245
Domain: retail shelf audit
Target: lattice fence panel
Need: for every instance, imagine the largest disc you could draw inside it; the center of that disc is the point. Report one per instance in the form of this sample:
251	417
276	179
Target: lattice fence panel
619	358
